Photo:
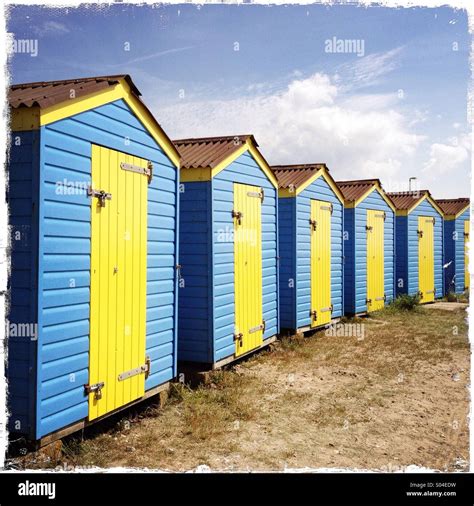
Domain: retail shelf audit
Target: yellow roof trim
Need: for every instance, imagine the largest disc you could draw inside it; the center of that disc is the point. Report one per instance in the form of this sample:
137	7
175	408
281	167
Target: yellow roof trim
406	212
190	175
380	191
22	118
287	192
252	149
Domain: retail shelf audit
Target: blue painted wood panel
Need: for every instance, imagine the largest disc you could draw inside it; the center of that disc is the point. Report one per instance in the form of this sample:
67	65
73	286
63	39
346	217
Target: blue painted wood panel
22	171
355	272
287	262
244	170
195	303
425	209
64	258
295	249
454	253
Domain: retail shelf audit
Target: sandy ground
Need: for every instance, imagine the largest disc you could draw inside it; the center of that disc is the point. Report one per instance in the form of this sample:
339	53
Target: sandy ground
392	397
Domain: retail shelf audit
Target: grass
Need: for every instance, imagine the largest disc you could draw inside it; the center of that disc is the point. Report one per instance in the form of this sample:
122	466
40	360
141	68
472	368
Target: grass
298	403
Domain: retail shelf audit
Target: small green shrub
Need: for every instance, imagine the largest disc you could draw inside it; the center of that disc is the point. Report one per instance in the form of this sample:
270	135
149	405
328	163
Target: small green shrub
405	302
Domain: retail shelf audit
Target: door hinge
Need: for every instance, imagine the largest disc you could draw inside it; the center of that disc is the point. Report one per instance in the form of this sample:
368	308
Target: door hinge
326	309
96	388
147	171
259	195
380	298
257	328
238	215
142	369
328	208
150	172
102	195
313	223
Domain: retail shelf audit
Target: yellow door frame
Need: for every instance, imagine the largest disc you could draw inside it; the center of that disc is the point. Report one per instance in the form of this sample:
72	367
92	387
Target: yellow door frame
320	260
375	227
247	215
425	231
117	362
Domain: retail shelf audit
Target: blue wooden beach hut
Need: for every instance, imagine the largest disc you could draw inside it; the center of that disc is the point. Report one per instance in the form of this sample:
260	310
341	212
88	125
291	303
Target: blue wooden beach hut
369	246
419	245
228	295
93	203
310	217
456	240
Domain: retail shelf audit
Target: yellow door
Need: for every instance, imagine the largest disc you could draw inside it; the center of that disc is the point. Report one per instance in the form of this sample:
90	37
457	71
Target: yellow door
466	255
249	325
375	260
320	226
426	259
118	280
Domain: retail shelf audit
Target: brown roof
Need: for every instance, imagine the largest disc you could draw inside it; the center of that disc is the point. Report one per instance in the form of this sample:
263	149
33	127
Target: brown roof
405	200
208	152
48	93
295	175
453	206
357	188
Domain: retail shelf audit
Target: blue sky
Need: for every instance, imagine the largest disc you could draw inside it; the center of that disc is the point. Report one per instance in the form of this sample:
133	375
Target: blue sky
399	110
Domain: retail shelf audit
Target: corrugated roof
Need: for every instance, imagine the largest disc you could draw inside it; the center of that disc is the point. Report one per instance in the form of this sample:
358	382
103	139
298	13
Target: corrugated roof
453	206
357	188
293	176
208	152
405	200
47	93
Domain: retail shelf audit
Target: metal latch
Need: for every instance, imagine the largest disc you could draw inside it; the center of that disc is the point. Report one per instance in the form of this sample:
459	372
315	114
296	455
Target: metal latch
239	337
368	228
313	223
313	314
420	233
96	388
239	215
368	301
466	234
102	195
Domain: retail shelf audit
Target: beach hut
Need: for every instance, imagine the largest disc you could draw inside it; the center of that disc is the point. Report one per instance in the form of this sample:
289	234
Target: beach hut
228	295
456	239
93	202
419	245
310	218
369	246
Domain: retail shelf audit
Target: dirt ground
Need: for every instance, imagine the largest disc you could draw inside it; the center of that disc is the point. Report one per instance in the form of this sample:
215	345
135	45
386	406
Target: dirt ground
395	394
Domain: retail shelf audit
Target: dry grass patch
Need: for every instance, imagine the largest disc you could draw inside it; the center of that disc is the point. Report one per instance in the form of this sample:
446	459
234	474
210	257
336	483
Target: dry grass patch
395	397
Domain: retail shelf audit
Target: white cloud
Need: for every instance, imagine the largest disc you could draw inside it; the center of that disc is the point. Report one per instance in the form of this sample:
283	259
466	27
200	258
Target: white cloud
309	121
447	157
369	70
51	28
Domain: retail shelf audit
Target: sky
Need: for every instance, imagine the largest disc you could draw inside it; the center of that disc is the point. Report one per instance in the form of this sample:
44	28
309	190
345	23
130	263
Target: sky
371	92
